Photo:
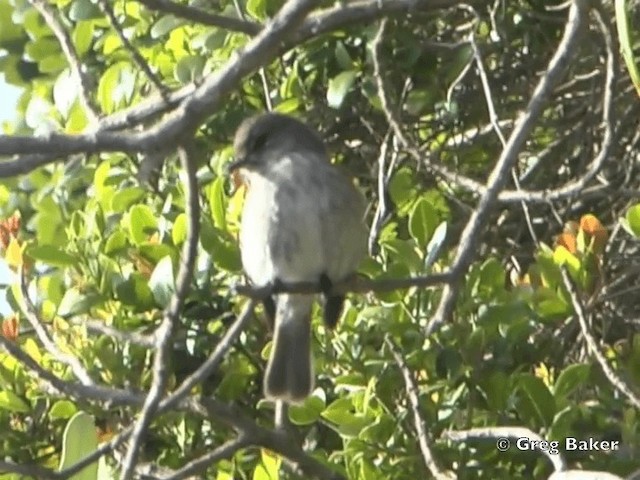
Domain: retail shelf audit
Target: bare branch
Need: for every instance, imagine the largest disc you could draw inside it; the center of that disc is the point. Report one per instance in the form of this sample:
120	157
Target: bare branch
583	475
135	54
615	380
164	332
96	326
339	16
394	123
32	471
201	16
594	167
414	403
185	120
29	311
479	218
207	367
354	285
226	450
87	85
364	11
495	123
69	389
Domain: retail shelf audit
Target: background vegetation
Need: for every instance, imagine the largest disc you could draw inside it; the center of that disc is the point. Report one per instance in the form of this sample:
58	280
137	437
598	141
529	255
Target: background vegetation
497	144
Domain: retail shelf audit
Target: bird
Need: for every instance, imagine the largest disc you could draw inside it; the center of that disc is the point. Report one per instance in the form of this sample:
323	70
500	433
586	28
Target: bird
302	221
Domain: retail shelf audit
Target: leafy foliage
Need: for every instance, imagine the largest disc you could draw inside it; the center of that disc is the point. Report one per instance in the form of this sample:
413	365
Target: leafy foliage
99	237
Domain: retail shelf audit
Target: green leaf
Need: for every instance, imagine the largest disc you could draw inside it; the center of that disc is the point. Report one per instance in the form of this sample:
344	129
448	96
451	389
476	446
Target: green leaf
142	223
135	292
74	303
633	220
62	409
51	256
179	230
164	25
496	388
571	378
339	86
562	256
116	86
435	245
538	396
490	280
189	68
161	282
257	8
402	189
84	10
79	440
341	414
423	220
64	92
307	413
342	56
288	106
222	247
116	243
82	37
12	402
404	252
123	199
269	466
625	38
42	48
217	203
154	252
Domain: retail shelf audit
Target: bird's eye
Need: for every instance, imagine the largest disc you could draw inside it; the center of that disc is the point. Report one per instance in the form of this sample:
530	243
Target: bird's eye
260	141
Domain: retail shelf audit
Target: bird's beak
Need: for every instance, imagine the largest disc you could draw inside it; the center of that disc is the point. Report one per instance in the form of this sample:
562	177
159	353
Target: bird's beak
236	164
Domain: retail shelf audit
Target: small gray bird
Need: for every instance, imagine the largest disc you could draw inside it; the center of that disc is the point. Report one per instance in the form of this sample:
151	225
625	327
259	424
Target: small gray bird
302	222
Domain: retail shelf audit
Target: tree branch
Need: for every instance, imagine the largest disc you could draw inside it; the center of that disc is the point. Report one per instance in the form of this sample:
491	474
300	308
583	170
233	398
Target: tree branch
135	54
617	382
479	218
350	285
86	84
164	332
414	404
29	311
202	16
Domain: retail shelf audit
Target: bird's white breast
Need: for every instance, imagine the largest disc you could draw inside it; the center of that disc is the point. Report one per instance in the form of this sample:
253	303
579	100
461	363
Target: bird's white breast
280	233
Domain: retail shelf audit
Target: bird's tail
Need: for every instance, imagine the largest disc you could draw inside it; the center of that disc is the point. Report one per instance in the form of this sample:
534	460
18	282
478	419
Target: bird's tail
289	374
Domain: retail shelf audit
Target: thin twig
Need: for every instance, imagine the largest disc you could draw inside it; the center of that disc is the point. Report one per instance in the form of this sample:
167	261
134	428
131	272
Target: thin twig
495	123
414	403
479	218
135	54
203	17
615	380
353	285
78	70
29	311
137	338
208	366
226	450
577	185
164	333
